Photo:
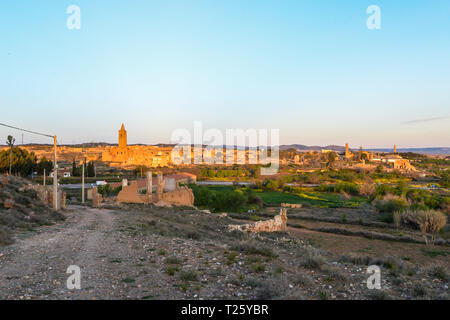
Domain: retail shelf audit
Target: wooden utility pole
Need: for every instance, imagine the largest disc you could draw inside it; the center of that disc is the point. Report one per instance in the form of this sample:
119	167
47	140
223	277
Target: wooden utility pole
82	183
44	177
55	179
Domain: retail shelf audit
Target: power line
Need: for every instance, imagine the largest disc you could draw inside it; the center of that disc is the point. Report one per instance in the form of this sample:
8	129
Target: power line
29	131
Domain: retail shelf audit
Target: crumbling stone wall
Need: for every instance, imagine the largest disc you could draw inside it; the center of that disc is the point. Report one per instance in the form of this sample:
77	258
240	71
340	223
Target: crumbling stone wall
130	194
182	197
96	198
45	194
278	223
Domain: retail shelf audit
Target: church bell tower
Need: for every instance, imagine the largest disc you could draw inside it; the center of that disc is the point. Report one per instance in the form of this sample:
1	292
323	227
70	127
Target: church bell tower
122	137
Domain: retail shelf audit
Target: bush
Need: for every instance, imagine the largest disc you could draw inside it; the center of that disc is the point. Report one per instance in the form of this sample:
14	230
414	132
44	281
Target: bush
5	236
188	276
107	191
367	188
438	271
349	188
225	200
250	247
312	259
325	188
203	197
230	201
269	290
271	185
428	221
391	204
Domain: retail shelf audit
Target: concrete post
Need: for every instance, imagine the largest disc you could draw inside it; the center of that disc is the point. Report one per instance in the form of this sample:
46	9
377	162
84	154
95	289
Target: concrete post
44	178
149	183
82	184
55	179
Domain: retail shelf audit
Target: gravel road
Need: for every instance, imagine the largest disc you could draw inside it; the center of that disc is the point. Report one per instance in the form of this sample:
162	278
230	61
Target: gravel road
35	267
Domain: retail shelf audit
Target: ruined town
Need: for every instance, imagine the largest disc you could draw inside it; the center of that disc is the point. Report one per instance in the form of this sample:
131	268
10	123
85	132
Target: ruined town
224	159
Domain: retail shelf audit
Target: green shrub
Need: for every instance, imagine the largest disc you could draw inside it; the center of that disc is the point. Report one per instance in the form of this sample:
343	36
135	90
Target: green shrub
390	204
381	191
189	275
312	259
349	188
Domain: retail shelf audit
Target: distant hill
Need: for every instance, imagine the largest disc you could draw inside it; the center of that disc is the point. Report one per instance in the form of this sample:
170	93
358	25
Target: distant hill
301	147
298	147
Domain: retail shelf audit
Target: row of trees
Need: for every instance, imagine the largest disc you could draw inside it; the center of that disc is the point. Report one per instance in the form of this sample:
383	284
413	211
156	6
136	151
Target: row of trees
23	163
89	169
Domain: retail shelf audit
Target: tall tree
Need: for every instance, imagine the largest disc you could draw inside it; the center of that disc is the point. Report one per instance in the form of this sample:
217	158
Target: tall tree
10	142
44	164
74	168
90	169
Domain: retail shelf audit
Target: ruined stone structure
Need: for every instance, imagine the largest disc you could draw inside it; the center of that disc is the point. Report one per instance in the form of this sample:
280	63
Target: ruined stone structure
96	198
45	194
278	223
396	162
130	194
180	197
174	195
402	164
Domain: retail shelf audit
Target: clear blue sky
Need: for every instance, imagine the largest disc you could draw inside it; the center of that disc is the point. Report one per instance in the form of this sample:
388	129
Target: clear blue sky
310	68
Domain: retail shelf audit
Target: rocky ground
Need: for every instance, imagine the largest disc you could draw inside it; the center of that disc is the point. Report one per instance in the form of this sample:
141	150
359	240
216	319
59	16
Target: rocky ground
148	252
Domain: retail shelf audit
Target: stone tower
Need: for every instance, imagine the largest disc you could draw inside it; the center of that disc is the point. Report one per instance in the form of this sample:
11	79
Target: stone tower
395	148
371	155
347	153
122	137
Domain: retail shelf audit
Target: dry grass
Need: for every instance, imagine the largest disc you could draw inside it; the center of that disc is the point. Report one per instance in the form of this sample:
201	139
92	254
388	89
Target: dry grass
428	221
312	259
27	210
438	271
252	247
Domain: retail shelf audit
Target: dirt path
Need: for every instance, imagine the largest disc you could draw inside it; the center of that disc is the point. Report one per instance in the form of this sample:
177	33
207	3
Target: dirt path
35	266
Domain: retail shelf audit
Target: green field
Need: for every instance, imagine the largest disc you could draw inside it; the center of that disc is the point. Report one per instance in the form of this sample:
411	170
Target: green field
315	199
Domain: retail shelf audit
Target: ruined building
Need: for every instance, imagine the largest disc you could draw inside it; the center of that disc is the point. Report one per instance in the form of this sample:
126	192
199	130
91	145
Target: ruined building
168	192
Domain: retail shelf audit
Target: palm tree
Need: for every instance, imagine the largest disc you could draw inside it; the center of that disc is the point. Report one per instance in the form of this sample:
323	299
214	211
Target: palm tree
10	142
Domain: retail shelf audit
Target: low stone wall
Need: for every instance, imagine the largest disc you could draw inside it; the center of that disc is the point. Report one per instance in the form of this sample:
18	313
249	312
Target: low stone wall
278	223
291	205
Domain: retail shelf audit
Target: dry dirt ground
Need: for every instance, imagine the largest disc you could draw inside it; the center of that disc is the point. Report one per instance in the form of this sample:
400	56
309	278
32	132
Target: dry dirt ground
137	252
